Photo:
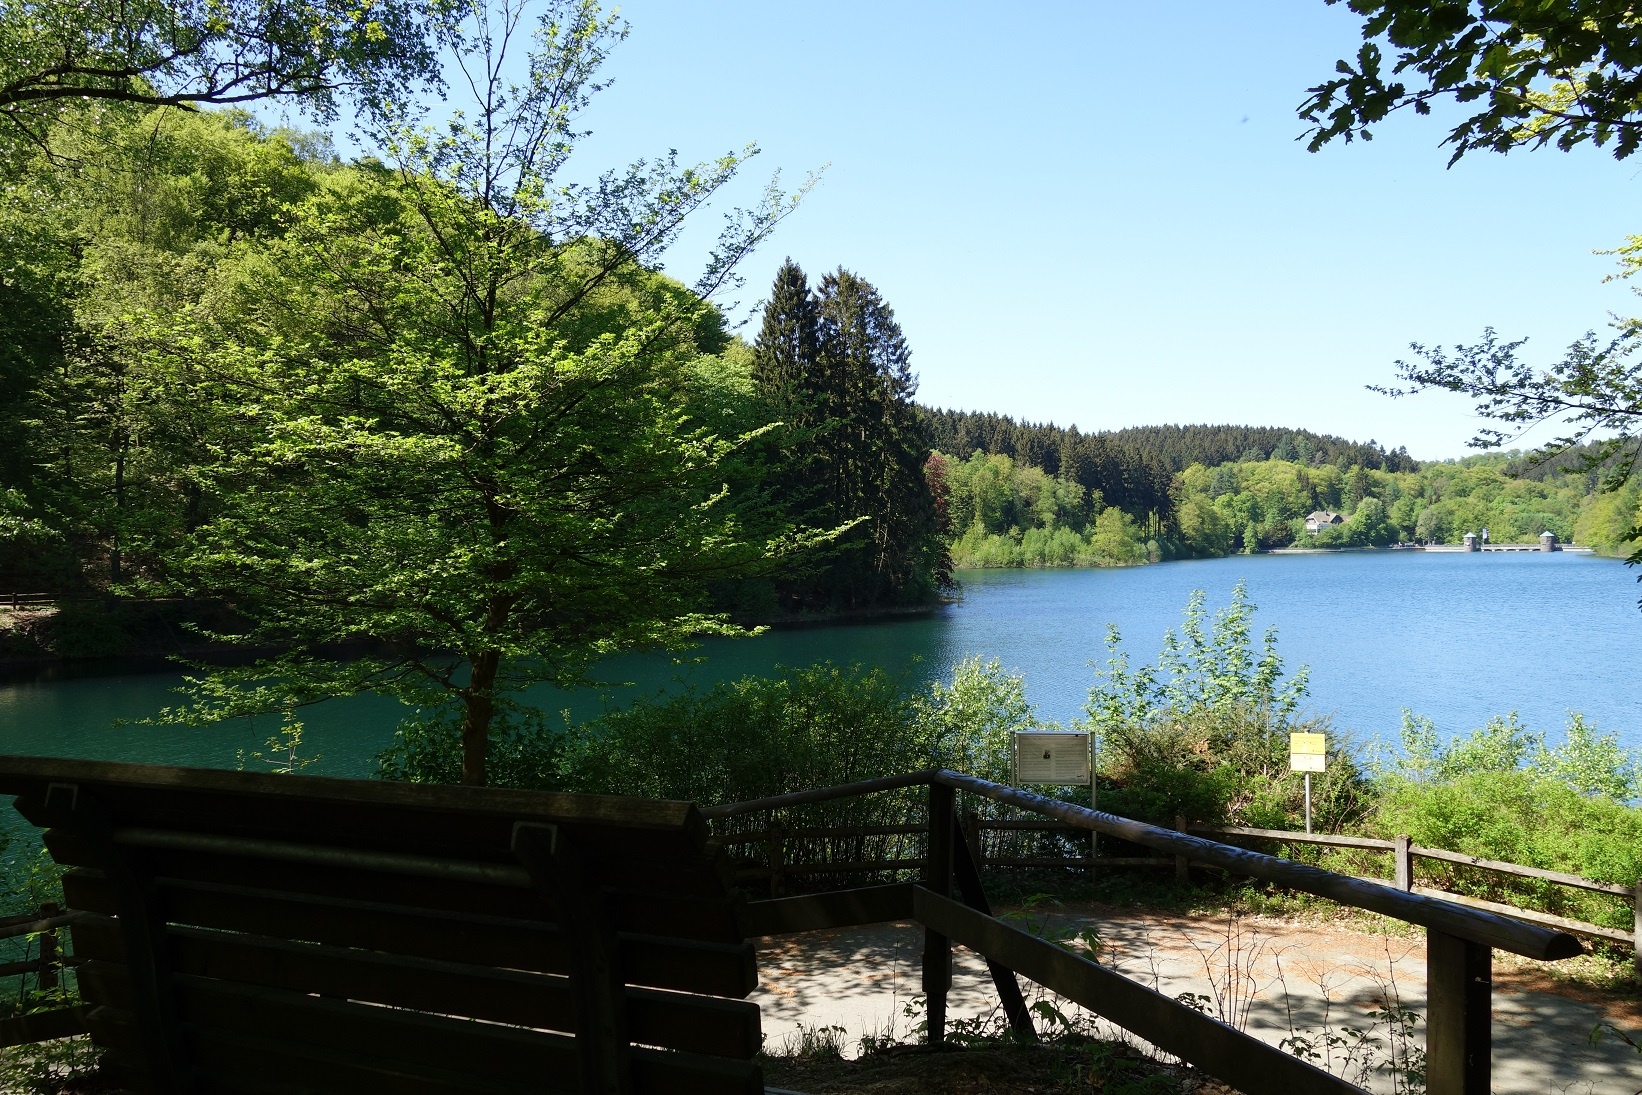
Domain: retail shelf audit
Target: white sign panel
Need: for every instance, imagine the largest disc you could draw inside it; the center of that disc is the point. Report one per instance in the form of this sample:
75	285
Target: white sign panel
1057	758
1307	752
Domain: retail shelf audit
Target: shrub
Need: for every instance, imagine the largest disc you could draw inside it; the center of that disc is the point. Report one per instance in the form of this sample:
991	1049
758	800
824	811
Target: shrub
1203	733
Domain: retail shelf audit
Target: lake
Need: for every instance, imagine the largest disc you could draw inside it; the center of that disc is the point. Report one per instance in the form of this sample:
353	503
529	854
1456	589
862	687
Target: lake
1455	636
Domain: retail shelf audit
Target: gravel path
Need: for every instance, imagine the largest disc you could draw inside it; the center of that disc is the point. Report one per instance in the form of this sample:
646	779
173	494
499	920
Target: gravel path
1285	978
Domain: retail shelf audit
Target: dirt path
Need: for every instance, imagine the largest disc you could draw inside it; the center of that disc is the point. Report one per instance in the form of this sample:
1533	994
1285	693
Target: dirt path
1274	977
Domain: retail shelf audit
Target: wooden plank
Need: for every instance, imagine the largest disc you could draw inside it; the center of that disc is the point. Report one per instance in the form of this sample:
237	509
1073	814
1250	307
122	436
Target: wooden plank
141	924
28	776
602	1041
1284	835
486	1053
1521	871
336	882
34	925
482	838
701	872
1224	1053
937	971
1579	927
671	1020
716	969
840	909
42	1026
701	918
1489	929
652	913
1459	1015
323	855
966	875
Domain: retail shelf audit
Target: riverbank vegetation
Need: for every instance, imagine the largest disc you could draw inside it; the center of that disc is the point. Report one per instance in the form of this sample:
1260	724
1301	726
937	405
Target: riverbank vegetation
1199	732
1007	511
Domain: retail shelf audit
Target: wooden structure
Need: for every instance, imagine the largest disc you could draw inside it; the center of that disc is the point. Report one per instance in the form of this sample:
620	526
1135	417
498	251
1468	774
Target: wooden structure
1405	853
247	932
950	904
270	934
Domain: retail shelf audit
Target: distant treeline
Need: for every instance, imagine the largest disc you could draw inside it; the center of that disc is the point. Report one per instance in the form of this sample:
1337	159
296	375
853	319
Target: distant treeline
1168	448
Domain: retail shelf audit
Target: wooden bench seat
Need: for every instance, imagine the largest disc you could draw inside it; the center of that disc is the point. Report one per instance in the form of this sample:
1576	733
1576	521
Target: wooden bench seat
265	933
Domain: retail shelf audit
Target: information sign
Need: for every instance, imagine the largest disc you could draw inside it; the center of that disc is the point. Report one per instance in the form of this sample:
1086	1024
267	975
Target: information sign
1307	752
1050	757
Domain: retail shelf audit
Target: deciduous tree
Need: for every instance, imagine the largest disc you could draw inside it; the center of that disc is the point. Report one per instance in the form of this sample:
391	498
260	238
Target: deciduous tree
463	404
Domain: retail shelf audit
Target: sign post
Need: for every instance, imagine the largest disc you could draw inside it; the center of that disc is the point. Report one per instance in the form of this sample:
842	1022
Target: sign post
1057	758
1308	754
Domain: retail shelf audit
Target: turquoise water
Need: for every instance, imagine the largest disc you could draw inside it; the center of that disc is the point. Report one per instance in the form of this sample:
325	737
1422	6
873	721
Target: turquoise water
1458	637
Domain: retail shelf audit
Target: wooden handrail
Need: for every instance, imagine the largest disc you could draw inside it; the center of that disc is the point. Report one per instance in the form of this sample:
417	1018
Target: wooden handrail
1327	839
1521	871
1471	925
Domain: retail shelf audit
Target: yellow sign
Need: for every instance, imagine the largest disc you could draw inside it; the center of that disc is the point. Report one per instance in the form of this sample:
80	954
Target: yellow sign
1307	745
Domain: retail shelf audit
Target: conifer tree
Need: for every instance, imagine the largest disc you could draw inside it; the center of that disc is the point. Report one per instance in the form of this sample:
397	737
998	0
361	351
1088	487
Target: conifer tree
834	366
880	445
784	357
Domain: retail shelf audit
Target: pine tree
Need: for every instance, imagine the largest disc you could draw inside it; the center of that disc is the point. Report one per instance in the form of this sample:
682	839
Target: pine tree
877	449
784	357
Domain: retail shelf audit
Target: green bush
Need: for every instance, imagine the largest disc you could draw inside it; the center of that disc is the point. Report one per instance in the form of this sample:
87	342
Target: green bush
1203	733
1505	793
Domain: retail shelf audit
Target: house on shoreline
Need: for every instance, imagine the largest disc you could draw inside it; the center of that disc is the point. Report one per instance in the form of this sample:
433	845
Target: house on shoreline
1322	519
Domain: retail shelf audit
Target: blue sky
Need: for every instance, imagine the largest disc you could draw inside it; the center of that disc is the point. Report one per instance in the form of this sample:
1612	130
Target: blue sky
1099	213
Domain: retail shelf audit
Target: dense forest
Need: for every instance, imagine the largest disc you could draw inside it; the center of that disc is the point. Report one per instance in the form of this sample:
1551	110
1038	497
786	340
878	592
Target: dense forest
1032	495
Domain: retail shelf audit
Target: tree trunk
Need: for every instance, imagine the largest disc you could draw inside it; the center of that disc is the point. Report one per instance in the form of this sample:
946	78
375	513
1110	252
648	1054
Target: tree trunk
115	573
476	718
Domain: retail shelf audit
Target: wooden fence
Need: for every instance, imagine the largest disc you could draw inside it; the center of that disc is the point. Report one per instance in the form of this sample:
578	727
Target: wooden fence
46	967
780	868
1459	954
27	600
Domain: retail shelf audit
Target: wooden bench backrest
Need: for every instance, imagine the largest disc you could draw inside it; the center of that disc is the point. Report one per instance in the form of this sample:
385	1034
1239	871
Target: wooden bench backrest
266	933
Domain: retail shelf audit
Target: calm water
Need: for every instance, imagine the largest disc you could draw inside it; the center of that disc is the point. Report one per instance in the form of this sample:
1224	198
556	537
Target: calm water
1457	637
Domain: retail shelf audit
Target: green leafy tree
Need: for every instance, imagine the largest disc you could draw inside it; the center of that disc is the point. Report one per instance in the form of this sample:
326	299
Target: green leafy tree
461	416
1531	72
57	54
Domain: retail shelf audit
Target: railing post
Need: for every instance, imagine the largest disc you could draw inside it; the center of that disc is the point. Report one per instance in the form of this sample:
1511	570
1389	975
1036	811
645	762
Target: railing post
1636	928
1405	862
938	878
778	860
971	824
1182	865
46	982
966	878
1459	1015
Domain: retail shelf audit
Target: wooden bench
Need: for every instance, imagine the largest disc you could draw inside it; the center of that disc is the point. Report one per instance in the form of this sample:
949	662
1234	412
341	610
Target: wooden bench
244	932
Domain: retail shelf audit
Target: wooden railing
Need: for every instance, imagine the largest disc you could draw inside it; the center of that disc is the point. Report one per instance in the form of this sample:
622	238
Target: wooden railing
1460	939
46	967
1405	853
781	867
27	600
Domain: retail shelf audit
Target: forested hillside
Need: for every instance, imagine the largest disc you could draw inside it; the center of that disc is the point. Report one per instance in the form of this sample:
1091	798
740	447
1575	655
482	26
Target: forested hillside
1016	499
